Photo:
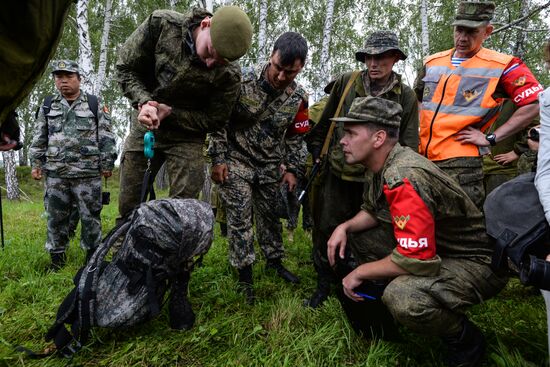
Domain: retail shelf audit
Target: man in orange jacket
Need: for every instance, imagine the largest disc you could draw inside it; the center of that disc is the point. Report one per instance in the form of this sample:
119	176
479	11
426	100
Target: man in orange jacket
462	90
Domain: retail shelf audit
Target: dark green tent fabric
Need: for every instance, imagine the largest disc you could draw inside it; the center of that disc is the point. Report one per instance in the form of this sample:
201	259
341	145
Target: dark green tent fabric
29	33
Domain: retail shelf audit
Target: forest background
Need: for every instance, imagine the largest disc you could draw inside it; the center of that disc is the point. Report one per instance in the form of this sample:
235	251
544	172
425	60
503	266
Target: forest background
277	330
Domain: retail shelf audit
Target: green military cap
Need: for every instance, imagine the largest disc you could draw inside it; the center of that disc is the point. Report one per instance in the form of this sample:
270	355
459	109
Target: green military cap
65	65
379	42
231	32
473	14
373	109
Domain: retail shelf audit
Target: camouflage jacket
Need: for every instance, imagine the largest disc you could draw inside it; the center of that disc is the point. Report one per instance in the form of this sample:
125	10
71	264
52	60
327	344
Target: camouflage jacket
396	91
158	62
68	142
459	225
257	133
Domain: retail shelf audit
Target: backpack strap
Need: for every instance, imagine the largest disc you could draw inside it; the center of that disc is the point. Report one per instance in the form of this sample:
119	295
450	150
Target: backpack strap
93	105
78	307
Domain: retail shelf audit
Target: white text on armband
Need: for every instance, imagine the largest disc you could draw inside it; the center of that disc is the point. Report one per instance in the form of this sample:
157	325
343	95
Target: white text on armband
410	243
528	92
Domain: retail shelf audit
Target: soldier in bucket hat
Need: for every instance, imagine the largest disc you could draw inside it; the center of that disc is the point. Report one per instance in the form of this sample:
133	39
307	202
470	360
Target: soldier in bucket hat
462	91
341	187
418	266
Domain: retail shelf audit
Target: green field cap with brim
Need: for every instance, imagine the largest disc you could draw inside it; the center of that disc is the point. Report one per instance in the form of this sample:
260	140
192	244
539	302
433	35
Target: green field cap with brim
231	32
473	14
65	65
373	109
378	43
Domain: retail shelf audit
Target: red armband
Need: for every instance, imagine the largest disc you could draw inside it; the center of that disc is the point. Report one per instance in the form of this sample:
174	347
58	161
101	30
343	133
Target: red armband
520	83
300	125
413	223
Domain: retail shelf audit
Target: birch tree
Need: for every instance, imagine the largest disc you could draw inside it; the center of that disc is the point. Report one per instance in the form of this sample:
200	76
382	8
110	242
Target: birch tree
85	55
325	55
425	30
262	31
108	14
12	185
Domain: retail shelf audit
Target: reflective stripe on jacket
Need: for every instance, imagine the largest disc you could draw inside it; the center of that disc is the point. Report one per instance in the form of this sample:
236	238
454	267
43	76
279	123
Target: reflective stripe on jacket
458	97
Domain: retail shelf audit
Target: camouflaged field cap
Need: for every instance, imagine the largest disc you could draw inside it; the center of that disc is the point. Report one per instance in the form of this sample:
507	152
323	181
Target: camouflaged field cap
65	65
231	32
379	42
373	109
473	14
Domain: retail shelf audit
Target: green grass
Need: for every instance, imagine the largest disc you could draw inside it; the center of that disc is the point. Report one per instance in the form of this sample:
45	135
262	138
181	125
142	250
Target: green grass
276	331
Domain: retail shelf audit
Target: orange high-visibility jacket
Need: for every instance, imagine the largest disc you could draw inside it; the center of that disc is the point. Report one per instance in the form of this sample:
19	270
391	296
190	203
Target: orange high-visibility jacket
458	97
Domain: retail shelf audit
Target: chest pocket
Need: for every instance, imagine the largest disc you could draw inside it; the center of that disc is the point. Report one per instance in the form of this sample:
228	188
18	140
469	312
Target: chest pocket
249	107
55	121
430	84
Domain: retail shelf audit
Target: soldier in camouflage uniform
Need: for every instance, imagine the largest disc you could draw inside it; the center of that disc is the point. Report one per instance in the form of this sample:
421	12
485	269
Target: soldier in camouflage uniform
73	150
264	132
338	196
419	232
178	72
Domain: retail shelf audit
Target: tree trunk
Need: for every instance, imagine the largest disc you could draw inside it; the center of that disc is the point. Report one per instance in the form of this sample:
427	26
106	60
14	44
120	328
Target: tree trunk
12	185
84	47
209	5
519	48
262	32
325	48
425	28
107	20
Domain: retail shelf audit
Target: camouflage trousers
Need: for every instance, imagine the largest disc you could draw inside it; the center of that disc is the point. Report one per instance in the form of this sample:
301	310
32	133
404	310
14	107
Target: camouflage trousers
245	196
429	305
468	172
184	164
334	202
61	195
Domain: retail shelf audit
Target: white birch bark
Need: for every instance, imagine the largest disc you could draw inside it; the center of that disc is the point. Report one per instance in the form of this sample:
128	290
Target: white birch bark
262	32
84	47
325	55
209	5
12	185
107	21
425	28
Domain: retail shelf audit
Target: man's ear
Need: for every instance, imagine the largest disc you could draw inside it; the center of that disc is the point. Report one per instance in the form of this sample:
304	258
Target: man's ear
489	30
379	138
205	23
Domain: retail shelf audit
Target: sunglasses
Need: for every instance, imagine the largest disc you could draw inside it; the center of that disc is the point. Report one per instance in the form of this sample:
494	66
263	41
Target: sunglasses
534	134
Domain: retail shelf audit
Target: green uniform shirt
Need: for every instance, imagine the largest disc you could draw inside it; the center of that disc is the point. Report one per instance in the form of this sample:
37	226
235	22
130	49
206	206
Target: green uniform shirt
395	91
459	225
158	62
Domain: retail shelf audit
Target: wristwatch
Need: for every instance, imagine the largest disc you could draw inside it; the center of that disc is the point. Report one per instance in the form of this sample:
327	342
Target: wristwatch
492	139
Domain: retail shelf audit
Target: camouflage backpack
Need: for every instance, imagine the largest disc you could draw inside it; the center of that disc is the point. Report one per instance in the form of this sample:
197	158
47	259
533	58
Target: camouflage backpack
515	220
160	238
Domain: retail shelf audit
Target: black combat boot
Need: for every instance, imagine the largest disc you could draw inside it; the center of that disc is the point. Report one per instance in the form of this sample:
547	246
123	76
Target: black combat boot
282	271
58	261
321	293
466	348
245	283
180	311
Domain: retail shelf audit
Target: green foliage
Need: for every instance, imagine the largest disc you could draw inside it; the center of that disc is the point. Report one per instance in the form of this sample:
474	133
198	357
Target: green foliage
276	331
